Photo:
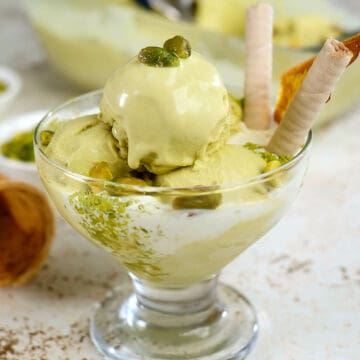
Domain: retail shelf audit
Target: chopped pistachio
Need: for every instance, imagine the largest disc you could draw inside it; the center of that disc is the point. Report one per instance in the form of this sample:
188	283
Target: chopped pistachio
252	146
236	102
45	137
106	221
235	106
178	45
101	170
275	179
272	165
267	155
130	181
20	147
210	201
158	57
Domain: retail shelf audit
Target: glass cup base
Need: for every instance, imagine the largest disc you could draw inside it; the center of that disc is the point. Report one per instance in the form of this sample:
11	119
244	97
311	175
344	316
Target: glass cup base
201	322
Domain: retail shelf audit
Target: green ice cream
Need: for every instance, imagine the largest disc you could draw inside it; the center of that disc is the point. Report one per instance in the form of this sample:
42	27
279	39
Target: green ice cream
175	119
171	118
230	164
167	117
81	143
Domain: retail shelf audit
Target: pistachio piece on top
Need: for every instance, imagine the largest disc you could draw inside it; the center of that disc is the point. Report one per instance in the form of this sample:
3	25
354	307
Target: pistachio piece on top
275	179
130	181
45	137
210	201
272	165
101	170
127	180
178	45
158	57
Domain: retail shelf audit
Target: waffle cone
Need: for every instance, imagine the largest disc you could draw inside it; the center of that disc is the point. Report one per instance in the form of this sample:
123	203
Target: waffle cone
26	231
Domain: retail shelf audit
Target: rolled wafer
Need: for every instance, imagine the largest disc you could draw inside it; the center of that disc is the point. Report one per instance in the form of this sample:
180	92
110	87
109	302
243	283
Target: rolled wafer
258	65
26	231
312	95
291	79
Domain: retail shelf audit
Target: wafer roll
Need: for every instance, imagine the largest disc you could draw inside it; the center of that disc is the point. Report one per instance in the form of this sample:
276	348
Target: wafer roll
311	97
258	66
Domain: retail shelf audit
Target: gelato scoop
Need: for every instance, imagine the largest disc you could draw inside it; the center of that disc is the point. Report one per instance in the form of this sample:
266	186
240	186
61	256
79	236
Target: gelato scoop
165	117
229	164
83	142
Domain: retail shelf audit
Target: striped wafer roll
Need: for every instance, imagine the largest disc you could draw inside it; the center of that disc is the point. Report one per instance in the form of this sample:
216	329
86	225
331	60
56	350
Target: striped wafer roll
258	66
312	95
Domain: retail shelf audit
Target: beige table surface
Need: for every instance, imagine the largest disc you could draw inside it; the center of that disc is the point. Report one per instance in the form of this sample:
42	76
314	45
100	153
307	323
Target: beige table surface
303	277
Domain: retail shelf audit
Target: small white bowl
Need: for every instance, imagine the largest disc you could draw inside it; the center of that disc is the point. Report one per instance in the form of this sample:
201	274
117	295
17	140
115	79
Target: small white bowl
15	169
13	85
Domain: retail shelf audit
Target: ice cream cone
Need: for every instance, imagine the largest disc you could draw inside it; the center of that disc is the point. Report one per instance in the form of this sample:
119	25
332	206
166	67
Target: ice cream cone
26	231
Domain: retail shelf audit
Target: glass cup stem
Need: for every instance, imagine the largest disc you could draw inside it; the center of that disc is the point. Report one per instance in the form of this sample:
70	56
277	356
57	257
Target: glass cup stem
179	306
204	320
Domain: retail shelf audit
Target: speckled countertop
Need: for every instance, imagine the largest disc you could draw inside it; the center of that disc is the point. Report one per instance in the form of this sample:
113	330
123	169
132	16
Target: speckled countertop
303	277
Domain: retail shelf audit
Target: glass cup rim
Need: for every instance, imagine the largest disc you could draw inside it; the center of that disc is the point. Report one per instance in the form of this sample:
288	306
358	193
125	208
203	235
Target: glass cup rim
201	189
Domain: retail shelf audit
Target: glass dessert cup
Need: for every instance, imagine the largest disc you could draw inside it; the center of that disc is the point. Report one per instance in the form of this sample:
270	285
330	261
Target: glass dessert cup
173	242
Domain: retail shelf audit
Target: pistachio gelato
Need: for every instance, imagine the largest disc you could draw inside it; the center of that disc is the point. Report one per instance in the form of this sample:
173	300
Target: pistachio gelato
166	117
81	143
166	120
228	165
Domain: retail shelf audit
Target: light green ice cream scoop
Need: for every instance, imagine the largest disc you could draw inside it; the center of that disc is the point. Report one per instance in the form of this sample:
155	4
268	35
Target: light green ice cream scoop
80	143
228	165
167	117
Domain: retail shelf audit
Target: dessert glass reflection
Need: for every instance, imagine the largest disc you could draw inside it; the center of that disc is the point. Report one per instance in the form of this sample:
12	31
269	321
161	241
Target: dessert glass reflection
173	244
